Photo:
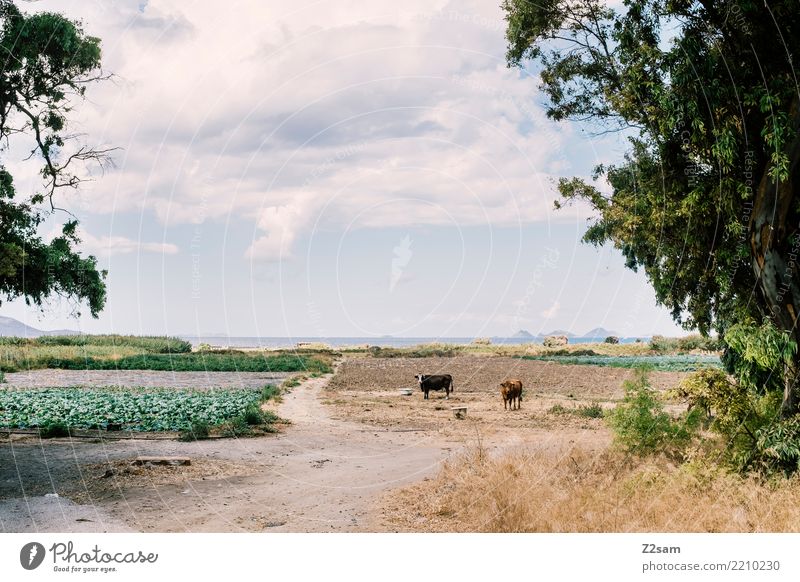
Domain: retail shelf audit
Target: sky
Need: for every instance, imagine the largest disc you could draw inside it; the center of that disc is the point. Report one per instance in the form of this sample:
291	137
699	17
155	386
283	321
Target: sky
331	169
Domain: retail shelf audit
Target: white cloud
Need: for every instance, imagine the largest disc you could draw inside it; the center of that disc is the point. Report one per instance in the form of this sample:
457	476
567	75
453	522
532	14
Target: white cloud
118	245
288	116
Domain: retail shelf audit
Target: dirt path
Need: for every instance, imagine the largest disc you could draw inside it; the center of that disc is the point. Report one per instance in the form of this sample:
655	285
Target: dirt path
320	474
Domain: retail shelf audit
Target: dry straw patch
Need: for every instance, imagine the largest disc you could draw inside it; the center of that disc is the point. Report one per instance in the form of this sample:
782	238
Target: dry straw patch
575	491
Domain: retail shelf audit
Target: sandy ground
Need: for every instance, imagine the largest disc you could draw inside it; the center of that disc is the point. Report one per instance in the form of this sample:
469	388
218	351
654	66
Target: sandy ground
318	475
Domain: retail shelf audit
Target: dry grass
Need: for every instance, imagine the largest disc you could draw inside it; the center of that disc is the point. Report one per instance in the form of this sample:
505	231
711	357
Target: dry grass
569	490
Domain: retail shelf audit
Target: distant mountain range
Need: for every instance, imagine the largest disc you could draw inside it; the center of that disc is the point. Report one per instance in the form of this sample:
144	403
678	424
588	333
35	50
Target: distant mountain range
12	327
596	332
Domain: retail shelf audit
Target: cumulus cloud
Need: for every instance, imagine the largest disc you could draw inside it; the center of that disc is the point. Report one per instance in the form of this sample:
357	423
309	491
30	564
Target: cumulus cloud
108	245
334	115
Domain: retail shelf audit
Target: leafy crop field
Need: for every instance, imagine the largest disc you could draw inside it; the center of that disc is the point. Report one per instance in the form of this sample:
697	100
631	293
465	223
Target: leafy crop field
156	409
663	363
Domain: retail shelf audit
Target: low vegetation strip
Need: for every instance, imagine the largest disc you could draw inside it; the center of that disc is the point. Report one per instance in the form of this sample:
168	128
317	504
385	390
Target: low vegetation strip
666	363
147	344
158	409
106	358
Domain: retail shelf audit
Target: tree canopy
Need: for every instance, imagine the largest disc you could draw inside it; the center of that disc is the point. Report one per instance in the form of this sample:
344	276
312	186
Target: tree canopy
706	93
47	62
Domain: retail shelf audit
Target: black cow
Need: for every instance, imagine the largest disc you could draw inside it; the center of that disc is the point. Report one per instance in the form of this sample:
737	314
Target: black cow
436	382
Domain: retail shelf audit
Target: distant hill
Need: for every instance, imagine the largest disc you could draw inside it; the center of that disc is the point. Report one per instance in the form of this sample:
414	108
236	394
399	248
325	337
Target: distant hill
599	332
10	327
523	333
561	332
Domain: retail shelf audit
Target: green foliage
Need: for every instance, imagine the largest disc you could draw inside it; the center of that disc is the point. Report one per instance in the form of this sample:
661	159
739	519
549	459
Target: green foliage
776	448
291	382
709	391
421	351
758	355
235	427
658	363
47	63
253	415
753	436
593	410
108	358
54	430
199	430
147	344
663	345
157	409
269	392
641	426
710	144
612	339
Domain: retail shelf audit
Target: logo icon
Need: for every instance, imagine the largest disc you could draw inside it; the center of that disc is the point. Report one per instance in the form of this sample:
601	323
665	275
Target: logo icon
31	555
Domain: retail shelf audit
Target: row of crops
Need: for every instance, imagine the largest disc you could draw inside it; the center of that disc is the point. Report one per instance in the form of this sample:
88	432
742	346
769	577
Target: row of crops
156	409
662	363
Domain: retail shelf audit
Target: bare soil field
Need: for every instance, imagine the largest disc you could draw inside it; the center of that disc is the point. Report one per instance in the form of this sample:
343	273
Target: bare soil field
367	390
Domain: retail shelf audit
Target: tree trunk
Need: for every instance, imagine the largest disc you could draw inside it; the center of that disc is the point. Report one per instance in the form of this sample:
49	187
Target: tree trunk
774	230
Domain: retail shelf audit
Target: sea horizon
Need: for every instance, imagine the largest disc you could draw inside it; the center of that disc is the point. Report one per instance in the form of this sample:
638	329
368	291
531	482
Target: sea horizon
394	342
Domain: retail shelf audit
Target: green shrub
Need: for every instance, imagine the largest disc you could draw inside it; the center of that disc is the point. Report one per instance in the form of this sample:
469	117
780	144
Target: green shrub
421	351
661	344
198	431
699	342
149	344
54	430
593	410
269	392
612	339
641	426
776	448
235	427
253	415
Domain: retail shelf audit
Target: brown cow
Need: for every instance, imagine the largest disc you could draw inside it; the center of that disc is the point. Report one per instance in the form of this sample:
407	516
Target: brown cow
511	390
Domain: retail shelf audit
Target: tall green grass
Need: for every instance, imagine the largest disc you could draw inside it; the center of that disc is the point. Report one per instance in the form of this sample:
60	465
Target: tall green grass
145	353
147	344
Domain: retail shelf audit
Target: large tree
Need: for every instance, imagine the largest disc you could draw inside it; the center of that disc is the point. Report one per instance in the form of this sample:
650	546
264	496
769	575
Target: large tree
47	61
706	92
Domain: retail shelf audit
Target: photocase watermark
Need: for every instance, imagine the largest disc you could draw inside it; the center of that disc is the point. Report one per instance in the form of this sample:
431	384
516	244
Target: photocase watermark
548	261
788	274
31	555
330	162
402	256
456	17
66	558
735	19
195	244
